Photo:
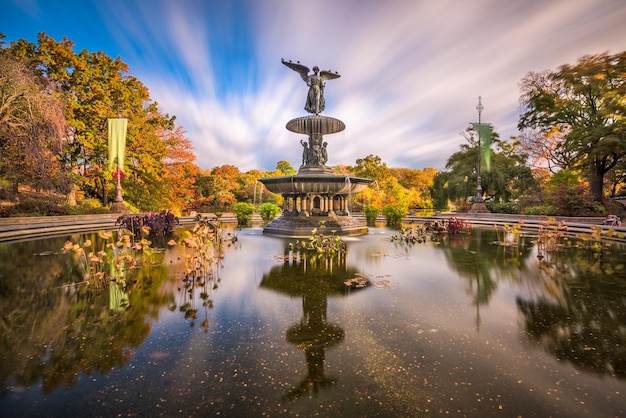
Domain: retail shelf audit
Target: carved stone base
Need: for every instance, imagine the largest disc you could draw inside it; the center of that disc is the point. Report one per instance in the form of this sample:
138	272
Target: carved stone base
307	169
299	226
479	208
119	207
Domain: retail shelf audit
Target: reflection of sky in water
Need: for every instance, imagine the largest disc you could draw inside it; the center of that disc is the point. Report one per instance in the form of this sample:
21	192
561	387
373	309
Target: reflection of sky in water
420	346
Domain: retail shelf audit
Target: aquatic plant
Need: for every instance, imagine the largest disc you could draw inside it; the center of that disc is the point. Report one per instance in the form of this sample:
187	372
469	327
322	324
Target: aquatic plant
598	239
109	258
203	255
509	235
417	233
552	237
321	243
456	225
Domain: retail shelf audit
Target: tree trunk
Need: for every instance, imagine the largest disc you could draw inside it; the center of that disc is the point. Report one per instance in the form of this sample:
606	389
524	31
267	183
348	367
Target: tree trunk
70	198
105	193
596	181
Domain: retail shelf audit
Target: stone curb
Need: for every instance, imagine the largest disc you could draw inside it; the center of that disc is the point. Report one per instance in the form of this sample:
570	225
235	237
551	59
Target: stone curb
20	228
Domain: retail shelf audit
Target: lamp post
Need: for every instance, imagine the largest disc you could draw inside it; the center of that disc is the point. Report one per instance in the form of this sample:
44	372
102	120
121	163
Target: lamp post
479	188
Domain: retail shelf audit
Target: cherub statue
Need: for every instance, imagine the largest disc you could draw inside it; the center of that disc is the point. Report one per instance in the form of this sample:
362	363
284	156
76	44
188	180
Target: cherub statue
315	102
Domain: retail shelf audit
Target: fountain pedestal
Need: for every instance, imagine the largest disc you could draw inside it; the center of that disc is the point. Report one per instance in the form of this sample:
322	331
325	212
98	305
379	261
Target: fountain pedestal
315	195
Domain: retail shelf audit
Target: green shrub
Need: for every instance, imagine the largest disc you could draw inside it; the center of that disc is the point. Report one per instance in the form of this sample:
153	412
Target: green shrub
244	212
546	210
269	211
507	207
7	211
574	201
38	207
371	213
395	213
90	203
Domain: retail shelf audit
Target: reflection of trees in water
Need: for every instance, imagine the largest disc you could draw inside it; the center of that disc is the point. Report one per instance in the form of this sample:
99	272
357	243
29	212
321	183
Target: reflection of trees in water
475	258
314	278
583	321
51	333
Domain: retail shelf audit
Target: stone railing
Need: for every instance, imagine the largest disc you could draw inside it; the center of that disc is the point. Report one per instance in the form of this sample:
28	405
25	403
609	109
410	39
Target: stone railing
19	228
574	224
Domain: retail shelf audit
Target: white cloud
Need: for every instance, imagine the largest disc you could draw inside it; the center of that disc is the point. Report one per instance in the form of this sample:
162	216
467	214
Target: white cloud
411	70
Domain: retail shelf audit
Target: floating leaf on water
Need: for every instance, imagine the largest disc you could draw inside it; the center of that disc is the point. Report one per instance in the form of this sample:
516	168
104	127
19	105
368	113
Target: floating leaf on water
356	282
383	284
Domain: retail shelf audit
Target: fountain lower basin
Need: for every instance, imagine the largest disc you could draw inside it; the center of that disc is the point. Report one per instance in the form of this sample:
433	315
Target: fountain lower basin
310	200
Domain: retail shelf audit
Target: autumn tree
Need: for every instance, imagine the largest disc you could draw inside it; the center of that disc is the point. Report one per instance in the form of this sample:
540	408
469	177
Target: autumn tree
218	187
581	108
180	172
418	183
96	87
373	167
404	186
32	125
251	190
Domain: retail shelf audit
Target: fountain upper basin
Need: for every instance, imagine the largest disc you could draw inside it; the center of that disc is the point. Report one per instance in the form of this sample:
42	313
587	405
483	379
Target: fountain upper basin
315	125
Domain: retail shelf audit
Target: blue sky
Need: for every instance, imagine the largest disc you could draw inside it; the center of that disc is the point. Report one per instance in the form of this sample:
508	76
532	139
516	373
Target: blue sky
411	70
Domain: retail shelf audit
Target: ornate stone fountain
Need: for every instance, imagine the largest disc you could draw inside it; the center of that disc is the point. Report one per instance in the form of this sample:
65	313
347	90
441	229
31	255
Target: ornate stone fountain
315	195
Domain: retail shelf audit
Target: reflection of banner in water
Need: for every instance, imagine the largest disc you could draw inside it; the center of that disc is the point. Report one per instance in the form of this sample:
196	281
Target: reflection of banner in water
118	300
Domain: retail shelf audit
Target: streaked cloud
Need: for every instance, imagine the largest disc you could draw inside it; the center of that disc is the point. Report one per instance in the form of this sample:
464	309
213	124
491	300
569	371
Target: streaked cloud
411	70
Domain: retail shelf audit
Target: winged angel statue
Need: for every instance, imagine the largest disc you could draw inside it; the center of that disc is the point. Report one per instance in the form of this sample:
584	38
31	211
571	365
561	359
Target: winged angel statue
315	98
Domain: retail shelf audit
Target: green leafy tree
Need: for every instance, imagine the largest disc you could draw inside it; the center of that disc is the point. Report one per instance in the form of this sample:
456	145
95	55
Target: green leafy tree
565	193
285	168
582	108
250	190
372	167
509	177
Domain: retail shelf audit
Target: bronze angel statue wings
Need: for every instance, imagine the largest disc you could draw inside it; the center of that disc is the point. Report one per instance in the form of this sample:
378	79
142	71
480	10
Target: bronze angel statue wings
315	102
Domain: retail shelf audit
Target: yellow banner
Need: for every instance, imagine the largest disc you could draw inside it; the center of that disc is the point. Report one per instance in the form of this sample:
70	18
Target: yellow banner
117	141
